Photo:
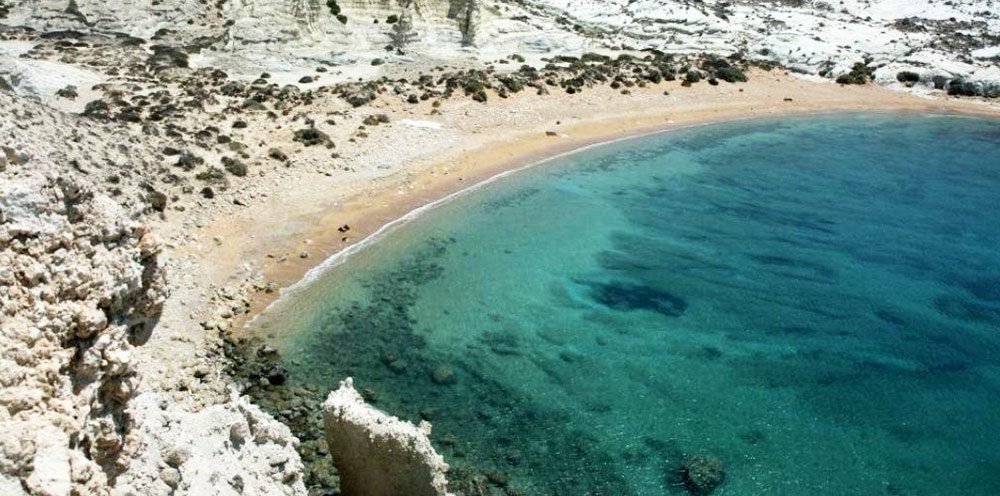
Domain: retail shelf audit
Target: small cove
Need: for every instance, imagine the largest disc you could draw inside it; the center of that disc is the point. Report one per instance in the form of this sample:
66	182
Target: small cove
813	301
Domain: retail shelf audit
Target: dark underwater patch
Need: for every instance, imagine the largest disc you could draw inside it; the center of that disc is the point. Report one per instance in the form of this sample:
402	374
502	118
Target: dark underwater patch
964	309
625	296
986	288
890	317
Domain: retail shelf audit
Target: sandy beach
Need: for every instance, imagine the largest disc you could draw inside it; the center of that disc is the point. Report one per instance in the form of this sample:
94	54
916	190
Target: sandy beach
306	218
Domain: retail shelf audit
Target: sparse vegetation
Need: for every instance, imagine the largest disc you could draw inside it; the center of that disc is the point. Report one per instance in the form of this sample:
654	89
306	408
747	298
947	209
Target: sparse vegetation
212	175
97	109
860	74
188	162
69	92
310	136
234	166
157	200
907	77
333	6
277	154
376	119
731	75
401	34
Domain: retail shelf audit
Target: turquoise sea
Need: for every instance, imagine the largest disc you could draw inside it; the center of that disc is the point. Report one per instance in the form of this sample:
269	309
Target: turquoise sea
813	301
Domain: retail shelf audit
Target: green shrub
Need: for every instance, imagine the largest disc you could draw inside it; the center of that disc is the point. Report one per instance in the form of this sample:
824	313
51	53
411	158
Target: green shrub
595	57
211	175
188	161
277	154
69	92
157	200
392	19
961	87
374	120
234	166
98	109
731	74
907	77
860	74
310	136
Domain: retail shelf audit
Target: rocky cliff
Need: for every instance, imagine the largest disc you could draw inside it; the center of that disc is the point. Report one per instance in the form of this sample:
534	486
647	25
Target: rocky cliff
81	286
931	39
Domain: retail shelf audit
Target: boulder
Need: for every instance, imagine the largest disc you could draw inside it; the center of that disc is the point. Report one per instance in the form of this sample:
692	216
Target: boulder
377	454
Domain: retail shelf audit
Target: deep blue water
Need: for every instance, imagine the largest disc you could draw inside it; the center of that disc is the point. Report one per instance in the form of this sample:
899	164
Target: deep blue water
813	301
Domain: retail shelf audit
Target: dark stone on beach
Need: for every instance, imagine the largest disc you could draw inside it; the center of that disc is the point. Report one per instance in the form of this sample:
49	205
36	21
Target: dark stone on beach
702	474
443	375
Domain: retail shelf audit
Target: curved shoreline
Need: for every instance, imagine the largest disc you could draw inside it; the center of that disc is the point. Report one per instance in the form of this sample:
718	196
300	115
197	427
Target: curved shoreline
380	210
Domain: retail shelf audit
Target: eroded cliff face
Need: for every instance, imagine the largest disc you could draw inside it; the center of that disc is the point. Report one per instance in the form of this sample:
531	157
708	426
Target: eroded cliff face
930	39
81	287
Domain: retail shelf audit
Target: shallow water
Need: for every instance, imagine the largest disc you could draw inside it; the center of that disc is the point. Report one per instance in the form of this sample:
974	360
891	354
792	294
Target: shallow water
814	301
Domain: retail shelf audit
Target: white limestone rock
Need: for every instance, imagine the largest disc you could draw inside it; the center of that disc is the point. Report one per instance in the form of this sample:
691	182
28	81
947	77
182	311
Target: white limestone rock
377	454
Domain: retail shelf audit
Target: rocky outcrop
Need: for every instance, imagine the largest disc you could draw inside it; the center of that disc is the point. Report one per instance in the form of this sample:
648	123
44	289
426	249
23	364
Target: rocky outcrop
142	18
377	454
79	285
233	448
948	40
81	289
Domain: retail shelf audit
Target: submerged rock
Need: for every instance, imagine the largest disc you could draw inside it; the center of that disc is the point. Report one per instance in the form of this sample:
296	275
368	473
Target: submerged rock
443	375
702	474
377	454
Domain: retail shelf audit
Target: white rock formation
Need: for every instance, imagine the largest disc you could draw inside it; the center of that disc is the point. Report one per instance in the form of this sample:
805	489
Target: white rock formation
233	448
81	287
948	39
377	454
78	283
